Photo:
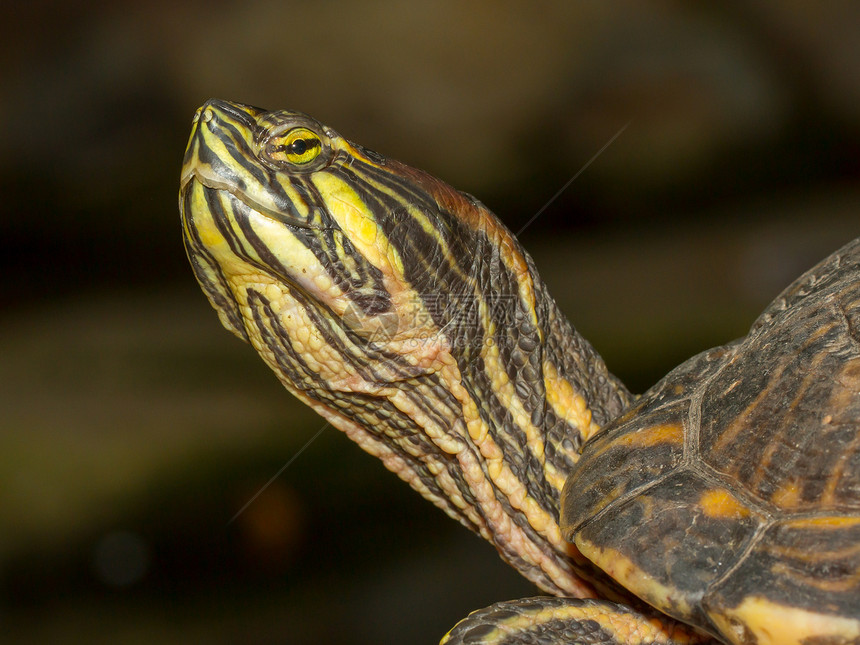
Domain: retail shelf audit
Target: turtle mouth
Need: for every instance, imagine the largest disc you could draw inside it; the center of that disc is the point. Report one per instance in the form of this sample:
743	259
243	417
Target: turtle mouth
212	181
222	155
240	220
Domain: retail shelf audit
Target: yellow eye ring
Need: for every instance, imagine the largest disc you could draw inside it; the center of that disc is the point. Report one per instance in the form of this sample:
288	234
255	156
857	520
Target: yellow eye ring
298	147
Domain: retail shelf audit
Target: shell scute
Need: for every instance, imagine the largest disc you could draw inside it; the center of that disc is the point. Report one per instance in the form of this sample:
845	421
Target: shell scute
636	460
699	542
640	446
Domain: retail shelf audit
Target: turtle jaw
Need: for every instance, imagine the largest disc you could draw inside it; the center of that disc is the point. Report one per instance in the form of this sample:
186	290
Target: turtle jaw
240	228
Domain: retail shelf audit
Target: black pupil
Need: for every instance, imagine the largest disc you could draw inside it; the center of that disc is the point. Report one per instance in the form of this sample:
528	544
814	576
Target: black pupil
299	146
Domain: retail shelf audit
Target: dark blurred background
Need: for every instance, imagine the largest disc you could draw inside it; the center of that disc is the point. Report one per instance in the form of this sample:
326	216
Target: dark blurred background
132	427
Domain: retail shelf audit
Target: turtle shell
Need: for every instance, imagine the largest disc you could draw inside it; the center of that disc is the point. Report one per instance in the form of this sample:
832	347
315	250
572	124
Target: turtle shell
729	495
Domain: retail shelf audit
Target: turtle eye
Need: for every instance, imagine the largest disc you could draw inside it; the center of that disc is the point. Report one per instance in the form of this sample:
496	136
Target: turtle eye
296	147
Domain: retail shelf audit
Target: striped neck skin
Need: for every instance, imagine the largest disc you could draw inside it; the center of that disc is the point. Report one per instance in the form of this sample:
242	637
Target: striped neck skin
404	313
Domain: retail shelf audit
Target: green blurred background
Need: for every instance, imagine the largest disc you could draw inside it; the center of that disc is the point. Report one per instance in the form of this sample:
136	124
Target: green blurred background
132	427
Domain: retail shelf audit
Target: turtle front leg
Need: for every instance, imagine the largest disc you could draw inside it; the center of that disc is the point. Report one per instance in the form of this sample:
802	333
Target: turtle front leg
545	620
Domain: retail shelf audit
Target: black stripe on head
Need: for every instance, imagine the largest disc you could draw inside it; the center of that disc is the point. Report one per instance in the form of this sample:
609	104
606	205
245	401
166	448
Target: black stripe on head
240	154
359	280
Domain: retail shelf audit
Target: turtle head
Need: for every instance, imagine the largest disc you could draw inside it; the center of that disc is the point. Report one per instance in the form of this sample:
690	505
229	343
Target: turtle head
403	312
356	248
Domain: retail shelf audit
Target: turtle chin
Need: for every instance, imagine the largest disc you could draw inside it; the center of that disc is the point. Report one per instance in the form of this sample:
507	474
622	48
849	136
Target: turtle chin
197	234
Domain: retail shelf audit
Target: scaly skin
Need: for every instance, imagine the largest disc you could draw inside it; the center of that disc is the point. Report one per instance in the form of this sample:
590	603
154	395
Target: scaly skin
408	316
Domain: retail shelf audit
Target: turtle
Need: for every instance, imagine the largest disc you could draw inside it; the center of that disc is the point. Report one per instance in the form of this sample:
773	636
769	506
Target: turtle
722	505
